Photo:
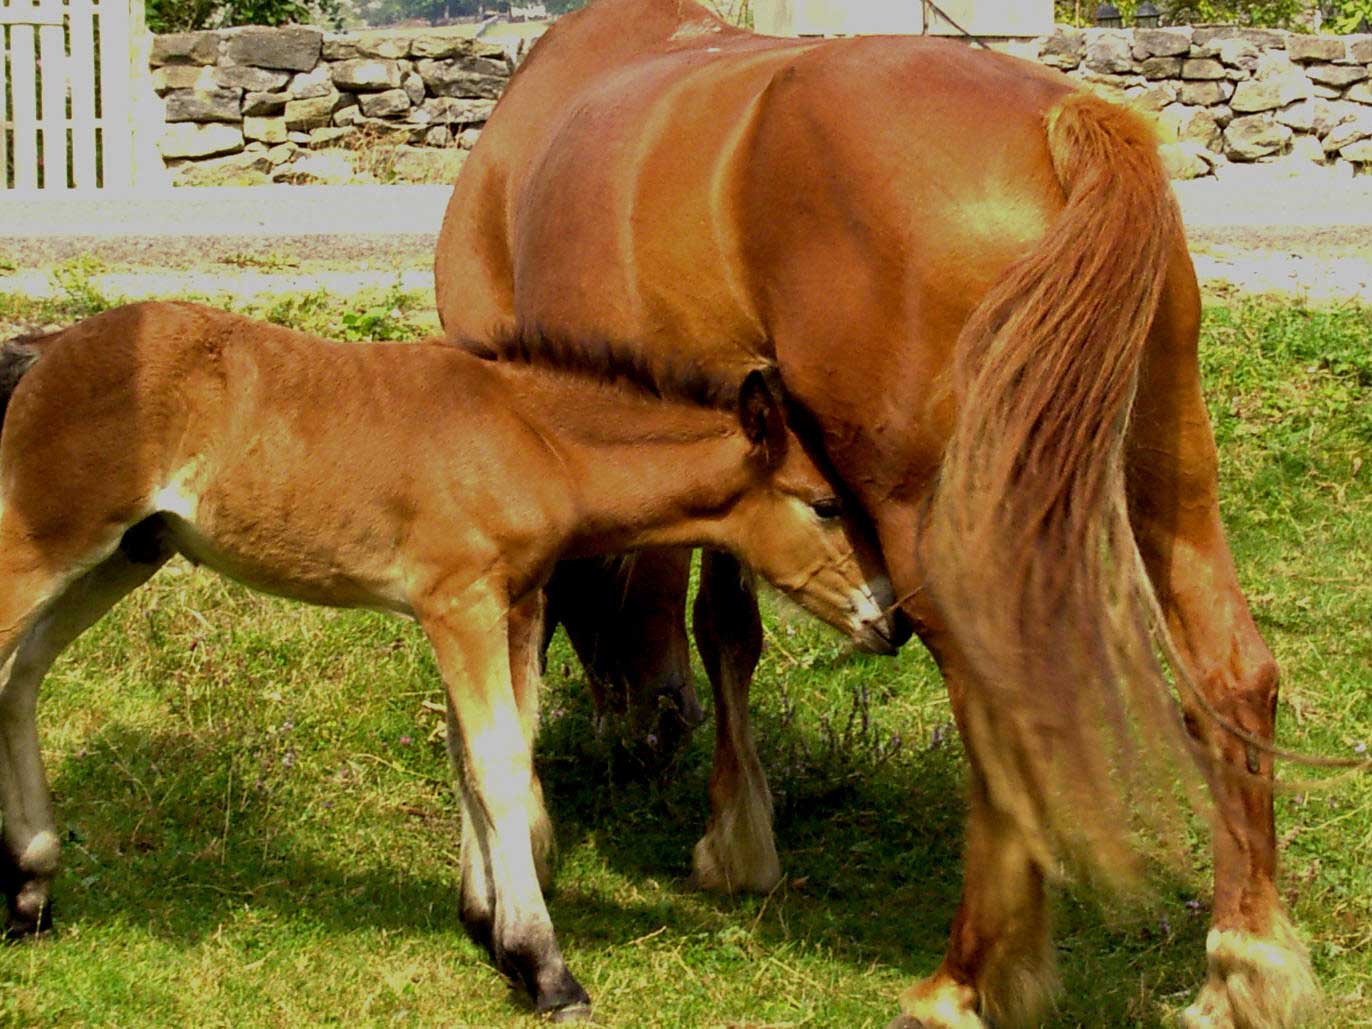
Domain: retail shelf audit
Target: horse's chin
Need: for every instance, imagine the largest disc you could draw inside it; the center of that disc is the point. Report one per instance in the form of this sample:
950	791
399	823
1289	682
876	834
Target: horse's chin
878	639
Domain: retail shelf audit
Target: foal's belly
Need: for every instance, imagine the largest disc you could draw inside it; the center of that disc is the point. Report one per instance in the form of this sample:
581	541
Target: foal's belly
287	561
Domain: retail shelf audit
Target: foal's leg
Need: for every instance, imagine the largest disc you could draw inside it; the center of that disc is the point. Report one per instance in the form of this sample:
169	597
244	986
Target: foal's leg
737	851
478	897
28	859
1259	971
469	633
526	637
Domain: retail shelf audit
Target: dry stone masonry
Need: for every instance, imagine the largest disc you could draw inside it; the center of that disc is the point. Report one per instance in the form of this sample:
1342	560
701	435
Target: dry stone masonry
298	104
1234	94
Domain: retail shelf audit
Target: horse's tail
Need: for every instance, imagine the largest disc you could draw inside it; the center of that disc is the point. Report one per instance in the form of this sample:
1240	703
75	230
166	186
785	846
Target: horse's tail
1030	553
16	357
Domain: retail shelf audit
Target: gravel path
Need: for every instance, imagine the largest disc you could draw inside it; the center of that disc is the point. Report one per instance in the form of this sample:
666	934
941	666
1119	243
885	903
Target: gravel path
1256	229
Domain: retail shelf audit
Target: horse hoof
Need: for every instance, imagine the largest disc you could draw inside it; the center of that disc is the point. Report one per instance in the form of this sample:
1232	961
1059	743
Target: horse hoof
576	1012
904	1022
25	924
563	999
1255	981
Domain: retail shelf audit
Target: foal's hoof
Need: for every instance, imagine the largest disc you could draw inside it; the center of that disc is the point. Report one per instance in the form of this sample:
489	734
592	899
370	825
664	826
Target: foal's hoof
30	919
564	1000
571	1013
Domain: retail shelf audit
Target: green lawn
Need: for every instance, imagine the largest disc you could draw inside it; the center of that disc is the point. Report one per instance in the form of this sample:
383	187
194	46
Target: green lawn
260	830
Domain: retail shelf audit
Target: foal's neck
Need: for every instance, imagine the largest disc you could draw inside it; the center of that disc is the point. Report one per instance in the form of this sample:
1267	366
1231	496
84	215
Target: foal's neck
643	471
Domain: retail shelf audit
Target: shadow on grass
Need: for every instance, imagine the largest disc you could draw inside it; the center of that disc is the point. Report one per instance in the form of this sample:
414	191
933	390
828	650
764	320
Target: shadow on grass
169	829
157	837
871	858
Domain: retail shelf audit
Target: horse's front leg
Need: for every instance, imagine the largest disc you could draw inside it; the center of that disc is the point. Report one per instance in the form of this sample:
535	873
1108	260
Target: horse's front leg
469	630
526	640
737	851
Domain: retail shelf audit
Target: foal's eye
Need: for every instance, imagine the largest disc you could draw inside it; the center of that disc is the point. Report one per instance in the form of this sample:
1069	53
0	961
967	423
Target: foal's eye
829	507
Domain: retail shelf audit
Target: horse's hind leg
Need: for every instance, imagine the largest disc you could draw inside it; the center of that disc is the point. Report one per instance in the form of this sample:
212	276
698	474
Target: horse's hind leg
737	851
46	625
1259	972
999	962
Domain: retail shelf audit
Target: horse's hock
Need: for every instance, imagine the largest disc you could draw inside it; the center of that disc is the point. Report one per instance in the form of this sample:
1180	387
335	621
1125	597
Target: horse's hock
297	104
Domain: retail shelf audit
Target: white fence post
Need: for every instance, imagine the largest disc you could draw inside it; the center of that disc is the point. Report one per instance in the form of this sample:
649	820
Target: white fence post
66	126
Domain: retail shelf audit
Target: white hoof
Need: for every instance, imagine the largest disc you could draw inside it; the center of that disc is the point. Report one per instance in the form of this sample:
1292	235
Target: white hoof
748	866
939	1004
1256	982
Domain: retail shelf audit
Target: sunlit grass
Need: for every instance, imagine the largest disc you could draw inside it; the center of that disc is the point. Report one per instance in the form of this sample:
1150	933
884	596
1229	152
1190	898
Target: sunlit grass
260	831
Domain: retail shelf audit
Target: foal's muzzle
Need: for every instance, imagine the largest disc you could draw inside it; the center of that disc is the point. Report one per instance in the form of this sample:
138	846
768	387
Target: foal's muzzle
880	626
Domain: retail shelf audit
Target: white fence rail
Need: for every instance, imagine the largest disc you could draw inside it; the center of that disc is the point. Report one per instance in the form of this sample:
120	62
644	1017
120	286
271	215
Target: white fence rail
65	88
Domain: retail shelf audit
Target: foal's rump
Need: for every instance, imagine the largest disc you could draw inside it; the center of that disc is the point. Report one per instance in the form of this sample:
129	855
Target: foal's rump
249	442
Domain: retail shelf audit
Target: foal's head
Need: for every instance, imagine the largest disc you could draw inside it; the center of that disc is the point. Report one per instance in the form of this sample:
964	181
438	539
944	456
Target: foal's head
781	516
795	528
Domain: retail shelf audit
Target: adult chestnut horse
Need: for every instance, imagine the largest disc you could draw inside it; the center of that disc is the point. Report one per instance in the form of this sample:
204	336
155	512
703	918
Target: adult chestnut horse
975	278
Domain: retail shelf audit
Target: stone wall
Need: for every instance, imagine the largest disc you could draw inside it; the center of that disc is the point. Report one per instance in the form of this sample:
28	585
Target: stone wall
297	104
1232	94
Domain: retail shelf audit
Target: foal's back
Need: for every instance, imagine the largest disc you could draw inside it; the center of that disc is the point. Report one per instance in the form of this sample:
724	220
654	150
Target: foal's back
295	464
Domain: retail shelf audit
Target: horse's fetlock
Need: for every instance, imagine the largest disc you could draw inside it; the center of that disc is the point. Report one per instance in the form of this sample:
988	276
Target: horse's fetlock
479	922
40	856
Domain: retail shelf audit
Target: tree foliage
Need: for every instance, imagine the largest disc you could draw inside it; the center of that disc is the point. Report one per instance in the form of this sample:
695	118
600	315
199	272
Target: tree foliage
1351	16
185	15
1272	13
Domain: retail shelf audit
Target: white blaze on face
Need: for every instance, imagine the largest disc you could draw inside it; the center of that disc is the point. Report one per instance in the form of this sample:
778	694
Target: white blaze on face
867	611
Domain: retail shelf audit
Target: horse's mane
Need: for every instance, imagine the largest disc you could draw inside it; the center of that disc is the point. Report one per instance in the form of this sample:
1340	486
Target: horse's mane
614	363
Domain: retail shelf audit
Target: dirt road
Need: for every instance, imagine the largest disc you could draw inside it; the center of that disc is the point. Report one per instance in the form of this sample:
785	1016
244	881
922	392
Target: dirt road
1254	231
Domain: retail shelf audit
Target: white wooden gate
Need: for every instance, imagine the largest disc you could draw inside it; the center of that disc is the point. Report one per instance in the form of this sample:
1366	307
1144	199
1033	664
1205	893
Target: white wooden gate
65	87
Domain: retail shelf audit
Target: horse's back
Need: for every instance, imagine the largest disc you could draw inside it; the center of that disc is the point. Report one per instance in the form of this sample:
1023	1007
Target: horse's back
652	199
837	207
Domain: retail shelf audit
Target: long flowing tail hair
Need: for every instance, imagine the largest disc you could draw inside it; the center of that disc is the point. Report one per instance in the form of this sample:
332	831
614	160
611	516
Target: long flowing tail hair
1030	553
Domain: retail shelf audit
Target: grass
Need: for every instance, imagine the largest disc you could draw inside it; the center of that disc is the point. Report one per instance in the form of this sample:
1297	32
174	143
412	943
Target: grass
260	830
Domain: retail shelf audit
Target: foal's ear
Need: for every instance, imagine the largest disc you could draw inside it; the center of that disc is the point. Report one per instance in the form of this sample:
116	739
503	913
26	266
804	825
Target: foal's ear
759	411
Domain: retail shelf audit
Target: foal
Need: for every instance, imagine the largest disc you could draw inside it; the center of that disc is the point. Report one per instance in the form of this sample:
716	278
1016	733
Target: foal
417	479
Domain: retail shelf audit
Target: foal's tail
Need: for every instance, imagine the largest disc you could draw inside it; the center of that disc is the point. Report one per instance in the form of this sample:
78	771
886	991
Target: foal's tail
1030	555
16	357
